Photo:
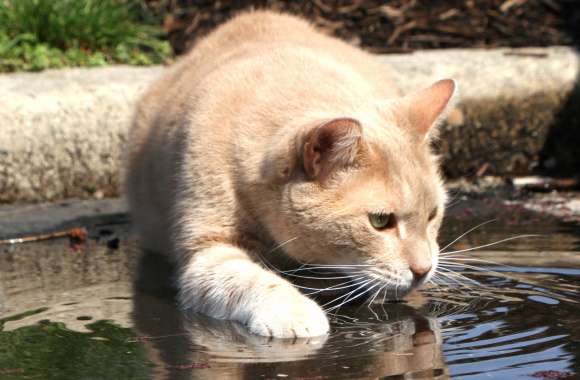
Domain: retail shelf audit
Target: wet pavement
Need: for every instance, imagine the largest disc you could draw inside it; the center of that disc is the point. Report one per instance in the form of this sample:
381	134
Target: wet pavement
103	309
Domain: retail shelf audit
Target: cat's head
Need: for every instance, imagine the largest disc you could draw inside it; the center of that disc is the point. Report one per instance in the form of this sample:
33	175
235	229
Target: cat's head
364	195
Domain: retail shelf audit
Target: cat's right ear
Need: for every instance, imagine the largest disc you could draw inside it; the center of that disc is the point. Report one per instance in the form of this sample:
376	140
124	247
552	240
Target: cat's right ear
330	145
426	108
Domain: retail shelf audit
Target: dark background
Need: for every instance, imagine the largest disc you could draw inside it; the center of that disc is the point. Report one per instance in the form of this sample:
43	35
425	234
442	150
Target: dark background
397	25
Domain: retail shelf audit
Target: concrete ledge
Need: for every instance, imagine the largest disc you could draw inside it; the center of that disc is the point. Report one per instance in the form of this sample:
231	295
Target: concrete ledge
62	132
511	99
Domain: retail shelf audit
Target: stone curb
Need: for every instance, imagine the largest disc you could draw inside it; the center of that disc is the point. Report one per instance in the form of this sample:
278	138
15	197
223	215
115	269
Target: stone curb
62	133
35	219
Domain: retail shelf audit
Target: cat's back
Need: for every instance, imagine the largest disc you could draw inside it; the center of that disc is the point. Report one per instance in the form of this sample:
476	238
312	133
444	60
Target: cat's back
279	45
234	40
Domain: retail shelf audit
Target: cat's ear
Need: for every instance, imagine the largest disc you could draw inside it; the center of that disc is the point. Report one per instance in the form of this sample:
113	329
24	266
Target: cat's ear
426	108
329	145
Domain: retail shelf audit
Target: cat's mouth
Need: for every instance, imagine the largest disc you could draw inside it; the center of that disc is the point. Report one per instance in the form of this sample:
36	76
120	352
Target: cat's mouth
338	287
392	287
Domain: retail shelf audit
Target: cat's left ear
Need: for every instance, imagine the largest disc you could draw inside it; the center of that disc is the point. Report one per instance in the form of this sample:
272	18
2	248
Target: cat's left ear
329	145
426	108
318	149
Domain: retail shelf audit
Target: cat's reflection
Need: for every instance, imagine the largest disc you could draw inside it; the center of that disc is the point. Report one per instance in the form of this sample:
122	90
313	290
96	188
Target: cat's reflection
377	344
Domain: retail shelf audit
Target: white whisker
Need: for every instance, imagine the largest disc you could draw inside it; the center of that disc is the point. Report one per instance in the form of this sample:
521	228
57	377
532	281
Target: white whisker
352	299
337	265
320	278
459	275
362	285
384	296
342	267
453	259
282	244
465	233
339	287
449	277
377	293
334	287
488	245
478	269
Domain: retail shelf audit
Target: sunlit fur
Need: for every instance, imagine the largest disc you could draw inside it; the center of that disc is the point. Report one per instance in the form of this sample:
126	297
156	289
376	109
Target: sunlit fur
216	175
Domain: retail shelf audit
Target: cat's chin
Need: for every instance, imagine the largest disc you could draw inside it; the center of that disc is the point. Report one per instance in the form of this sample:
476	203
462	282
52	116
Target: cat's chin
398	290
397	294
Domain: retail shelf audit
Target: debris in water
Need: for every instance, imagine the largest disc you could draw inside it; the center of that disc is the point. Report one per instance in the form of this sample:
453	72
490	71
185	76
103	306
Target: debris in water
76	235
145	338
537	183
553	375
11	371
113	243
190	366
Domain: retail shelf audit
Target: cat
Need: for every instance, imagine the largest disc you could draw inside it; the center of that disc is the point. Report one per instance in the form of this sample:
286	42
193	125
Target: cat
272	143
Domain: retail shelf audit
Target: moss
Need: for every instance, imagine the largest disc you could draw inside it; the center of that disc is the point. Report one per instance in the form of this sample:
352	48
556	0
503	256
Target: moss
49	351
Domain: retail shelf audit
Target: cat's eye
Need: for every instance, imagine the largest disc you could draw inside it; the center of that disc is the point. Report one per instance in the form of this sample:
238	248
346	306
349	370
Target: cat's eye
382	221
433	214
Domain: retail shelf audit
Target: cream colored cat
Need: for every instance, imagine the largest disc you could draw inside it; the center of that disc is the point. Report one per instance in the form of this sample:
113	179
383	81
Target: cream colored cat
272	141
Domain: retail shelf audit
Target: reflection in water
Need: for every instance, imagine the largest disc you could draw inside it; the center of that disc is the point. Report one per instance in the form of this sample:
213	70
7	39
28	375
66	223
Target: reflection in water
182	346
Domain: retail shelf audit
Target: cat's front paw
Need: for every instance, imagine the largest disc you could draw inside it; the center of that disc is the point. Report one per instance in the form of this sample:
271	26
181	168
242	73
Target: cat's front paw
291	317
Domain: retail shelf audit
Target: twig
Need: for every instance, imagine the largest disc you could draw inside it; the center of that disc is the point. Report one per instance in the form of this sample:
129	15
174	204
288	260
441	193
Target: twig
79	234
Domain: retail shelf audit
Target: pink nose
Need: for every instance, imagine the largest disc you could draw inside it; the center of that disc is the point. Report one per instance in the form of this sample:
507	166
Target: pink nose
420	270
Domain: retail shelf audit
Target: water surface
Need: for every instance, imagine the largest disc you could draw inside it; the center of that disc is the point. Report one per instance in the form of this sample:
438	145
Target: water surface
106	310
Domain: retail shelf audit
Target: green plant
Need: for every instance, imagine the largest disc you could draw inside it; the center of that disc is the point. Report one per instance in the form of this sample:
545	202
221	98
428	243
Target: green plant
49	351
39	34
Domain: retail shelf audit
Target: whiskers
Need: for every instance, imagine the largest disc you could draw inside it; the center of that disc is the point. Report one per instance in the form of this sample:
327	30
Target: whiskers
454	265
466	233
374	286
350	281
350	276
447	254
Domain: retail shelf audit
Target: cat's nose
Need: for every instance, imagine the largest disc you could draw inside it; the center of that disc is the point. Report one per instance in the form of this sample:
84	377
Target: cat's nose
419	258
420	270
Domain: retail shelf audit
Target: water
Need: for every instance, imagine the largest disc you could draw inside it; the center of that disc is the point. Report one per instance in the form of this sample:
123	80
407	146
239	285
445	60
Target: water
106	311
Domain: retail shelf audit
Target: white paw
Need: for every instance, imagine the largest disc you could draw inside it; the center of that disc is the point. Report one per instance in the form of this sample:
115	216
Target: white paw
295	316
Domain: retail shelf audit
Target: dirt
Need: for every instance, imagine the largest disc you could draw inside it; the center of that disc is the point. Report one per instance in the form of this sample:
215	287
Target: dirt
394	26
